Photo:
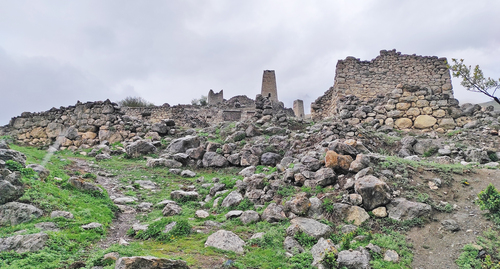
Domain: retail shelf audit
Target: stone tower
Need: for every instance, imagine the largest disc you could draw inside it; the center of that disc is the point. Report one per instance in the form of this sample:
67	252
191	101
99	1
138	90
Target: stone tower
298	108
215	98
269	85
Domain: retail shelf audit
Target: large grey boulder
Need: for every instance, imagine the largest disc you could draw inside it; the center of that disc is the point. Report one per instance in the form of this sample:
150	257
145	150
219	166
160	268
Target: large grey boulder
402	209
24	243
14	213
11	187
163	162
270	159
10	154
320	249
354	259
139	148
149	262
374	191
249	216
310	227
323	177
180	145
171	210
233	199
225	240
212	159
312	164
274	213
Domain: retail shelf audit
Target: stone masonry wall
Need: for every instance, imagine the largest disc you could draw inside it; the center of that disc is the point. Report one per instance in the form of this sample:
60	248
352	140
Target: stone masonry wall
387	74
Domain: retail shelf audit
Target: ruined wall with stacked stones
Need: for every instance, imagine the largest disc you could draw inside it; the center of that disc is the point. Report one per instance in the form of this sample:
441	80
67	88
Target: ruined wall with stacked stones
411	86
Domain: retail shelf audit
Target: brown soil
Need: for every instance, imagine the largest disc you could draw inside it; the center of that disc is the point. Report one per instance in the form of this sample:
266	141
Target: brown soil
434	247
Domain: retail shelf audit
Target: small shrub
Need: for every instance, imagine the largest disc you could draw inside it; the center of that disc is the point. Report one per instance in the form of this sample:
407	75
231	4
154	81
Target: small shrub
305	240
155	230
302	261
489	199
135	102
493	157
90	175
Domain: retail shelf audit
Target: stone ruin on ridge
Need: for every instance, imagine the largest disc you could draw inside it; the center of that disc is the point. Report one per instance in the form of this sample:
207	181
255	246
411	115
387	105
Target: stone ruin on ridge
396	90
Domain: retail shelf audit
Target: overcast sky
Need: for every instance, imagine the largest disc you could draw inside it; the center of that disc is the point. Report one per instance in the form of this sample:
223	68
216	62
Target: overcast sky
54	53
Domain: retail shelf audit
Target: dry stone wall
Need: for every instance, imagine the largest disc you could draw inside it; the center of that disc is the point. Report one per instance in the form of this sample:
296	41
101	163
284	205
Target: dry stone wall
409	91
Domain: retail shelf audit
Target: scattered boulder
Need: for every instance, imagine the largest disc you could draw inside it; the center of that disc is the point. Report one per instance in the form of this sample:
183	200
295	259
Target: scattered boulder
374	191
299	205
61	214
225	240
247	172
163	162
24	243
233	199
139	148
354	259
212	159
380	212
14	213
292	246
180	145
11	187
320	249
402	209
83	185
149	262
10	154
171	210
310	227
450	225
361	162
249	216
91	226
181	195
188	173
391	256
146	184
270	159
357	215
273	213
202	214
233	214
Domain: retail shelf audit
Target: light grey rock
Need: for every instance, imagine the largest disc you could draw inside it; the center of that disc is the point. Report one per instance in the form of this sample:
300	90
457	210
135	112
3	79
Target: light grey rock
102	156
171	210
292	246
299	205
216	188
247	172
139	227
169	227
274	213
47	226
348	228
202	214
310	227
24	243
124	200
10	154
257	236
402	209
91	226
354	259
149	262
233	214
316	208
233	199
188	173
311	164
139	148
374	191
391	256
164	202
11	187
225	240
249	216
146	184
144	206
164	162
42	172
325	177
450	225
320	249
212	159
14	213
181	195
61	214
180	145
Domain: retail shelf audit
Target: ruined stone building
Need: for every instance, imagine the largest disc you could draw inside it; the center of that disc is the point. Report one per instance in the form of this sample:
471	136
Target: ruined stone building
405	91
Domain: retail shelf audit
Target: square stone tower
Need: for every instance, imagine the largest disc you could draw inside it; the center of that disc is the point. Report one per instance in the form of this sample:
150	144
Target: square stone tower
298	108
269	88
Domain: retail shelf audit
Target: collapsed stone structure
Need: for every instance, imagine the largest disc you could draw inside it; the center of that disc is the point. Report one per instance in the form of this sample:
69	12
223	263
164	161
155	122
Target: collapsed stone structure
93	122
405	91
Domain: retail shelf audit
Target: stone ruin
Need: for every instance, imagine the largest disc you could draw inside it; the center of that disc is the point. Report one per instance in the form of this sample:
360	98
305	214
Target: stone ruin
396	90
298	109
93	122
269	88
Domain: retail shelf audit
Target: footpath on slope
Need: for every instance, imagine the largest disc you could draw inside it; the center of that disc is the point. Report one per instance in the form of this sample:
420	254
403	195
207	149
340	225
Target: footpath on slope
433	246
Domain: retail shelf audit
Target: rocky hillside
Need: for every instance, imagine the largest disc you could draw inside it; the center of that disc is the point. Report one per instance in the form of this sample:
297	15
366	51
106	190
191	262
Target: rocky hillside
272	193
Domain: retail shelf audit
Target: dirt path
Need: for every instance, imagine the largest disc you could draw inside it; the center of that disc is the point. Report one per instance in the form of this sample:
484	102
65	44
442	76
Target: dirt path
434	247
127	215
